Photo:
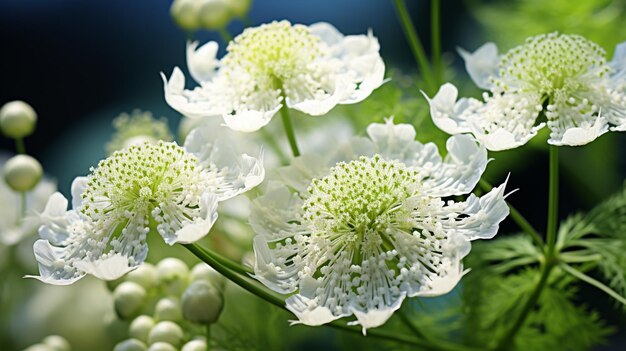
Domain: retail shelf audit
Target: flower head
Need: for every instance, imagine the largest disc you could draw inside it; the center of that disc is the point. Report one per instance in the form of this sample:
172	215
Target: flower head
357	233
137	128
565	77
161	188
308	68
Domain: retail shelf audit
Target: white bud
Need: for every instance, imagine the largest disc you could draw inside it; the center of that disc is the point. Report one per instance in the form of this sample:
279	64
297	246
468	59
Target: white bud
185	13
214	14
17	119
172	274
39	347
130	345
166	331
22	172
195	345
168	309
203	271
239	8
202	303
161	346
57	343
128	298
144	275
140	328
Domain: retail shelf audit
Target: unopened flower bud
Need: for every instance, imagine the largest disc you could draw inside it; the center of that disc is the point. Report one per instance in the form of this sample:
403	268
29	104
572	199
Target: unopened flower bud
22	172
144	275
140	328
195	345
57	343
173	274
215	14
161	346
17	119
130	345
128	298
203	271
39	347
167	332
202	303
168	309
185	13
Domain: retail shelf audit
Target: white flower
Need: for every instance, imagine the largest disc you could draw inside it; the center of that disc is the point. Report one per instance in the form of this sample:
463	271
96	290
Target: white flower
358	233
308	68
565	77
13	228
160	188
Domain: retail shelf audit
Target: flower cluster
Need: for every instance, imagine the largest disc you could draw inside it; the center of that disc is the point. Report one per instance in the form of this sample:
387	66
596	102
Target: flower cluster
160	188
564	77
308	68
137	128
358	232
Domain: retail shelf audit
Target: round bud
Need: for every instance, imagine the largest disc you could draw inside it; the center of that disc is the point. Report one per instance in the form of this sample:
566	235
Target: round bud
39	347
128	298
57	343
185	13
17	119
172	274
130	345
195	345
168	309
161	346
214	14
140	328
166	331
203	271
202	303
144	275
22	172
239	8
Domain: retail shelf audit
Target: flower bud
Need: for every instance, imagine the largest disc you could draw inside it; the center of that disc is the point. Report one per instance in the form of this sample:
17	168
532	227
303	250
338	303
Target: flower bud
239	8
128	298
214	14
144	275
202	303
140	328
39	347
17	119
22	172
57	343
195	345
203	271
130	345
172	274
166	331
161	346
168	309
185	13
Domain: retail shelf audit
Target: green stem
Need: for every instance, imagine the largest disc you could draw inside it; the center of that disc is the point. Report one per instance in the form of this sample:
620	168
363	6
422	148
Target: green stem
435	40
415	43
22	214
19	146
208	257
208	336
587	279
553	201
291	135
225	35
509	337
517	217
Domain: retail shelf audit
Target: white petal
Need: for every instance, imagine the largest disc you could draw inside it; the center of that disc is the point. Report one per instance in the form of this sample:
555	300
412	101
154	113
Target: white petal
484	214
394	141
202	62
279	278
250	120
54	220
193	104
618	62
109	268
78	187
198	229
583	134
446	112
327	32
308	312
315	105
302	170
52	269
482	64
373	318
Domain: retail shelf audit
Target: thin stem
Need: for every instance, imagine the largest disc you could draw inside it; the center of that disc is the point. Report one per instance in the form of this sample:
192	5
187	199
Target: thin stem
230	264
587	279
517	217
208	336
409	323
291	135
415	43
435	40
507	339
22	214
225	35
207	257
19	146
553	201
